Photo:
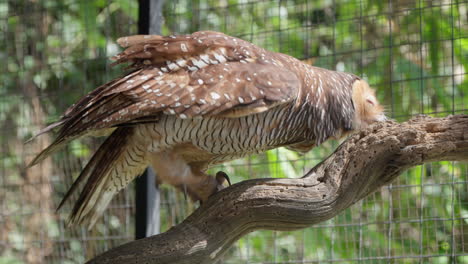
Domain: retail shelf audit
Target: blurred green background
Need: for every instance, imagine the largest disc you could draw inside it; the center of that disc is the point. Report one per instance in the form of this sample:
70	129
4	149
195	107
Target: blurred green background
414	52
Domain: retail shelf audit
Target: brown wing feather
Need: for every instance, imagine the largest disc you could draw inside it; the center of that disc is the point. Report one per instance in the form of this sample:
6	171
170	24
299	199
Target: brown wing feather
226	74
155	50
206	73
208	91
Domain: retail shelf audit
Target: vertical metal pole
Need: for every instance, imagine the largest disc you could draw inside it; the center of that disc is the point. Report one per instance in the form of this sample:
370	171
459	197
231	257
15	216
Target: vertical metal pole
147	198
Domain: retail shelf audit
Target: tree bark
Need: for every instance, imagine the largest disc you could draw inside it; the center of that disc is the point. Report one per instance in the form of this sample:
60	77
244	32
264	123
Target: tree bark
365	162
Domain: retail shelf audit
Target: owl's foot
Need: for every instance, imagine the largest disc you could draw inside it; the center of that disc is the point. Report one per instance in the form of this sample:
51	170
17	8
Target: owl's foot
220	178
205	187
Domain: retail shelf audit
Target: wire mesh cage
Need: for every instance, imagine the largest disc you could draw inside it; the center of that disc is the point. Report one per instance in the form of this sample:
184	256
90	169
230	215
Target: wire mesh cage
53	53
413	52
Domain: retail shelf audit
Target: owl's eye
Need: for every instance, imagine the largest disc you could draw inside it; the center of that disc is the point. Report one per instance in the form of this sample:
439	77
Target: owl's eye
370	102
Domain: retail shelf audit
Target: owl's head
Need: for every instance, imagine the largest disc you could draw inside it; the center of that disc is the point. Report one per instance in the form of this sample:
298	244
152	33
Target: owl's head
367	108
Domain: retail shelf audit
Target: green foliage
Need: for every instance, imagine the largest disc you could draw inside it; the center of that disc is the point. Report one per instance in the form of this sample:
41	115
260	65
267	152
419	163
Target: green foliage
10	260
407	57
53	52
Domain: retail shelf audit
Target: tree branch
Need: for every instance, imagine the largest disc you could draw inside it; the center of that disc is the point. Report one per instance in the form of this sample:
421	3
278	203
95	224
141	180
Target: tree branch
361	165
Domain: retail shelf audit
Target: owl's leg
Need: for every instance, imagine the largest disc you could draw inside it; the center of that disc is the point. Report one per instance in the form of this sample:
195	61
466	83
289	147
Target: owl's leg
171	168
221	177
202	186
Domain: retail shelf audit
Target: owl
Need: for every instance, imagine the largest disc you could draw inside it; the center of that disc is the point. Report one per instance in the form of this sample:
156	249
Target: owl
193	101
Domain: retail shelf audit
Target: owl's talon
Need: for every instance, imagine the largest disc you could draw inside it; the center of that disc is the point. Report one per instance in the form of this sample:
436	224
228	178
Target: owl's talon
221	176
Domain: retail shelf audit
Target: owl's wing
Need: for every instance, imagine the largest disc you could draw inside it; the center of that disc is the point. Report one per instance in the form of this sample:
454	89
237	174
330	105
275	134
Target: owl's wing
189	76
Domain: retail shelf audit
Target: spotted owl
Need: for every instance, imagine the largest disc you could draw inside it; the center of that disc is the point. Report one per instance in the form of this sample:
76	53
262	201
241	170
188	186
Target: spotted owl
192	101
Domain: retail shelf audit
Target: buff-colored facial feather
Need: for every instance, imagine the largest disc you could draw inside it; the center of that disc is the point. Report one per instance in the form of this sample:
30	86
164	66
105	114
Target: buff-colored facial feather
367	108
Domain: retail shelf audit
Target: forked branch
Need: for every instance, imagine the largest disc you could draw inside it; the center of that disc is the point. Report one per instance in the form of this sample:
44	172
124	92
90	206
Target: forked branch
361	165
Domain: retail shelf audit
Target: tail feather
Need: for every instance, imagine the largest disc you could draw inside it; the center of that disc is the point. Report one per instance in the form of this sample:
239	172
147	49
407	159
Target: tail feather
115	164
55	146
47	129
83	176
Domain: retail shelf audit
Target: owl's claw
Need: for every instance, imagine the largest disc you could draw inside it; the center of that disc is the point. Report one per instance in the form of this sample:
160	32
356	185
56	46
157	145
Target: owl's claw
221	176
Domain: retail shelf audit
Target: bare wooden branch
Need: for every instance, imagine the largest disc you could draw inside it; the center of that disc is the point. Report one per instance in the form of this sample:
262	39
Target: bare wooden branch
361	165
